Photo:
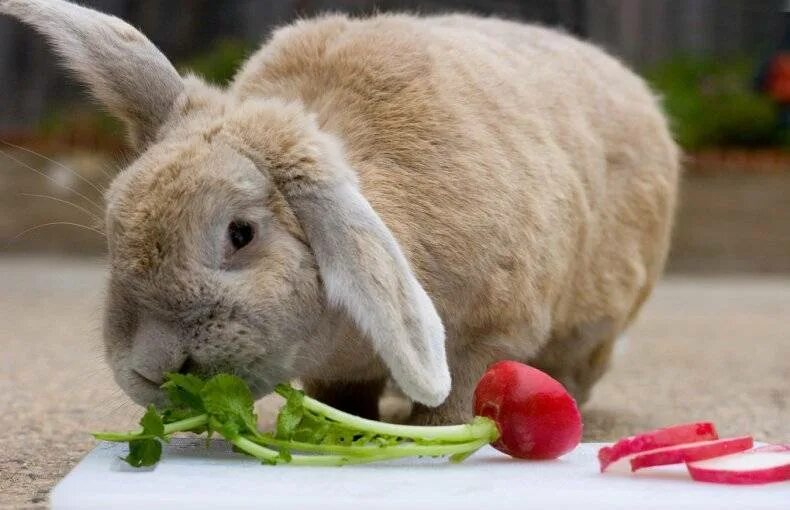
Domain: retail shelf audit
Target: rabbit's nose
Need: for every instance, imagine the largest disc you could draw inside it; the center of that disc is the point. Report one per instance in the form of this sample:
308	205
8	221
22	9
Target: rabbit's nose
157	349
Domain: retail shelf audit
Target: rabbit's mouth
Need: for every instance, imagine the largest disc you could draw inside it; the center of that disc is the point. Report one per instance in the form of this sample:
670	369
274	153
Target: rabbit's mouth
260	369
140	389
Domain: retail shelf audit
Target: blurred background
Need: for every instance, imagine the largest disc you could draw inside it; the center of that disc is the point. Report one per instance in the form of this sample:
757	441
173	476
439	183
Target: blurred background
711	343
718	64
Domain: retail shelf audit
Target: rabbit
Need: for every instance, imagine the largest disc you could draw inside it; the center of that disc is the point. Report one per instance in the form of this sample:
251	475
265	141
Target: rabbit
393	198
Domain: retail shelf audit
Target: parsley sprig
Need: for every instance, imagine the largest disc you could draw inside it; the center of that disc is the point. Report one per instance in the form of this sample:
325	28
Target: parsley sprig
308	432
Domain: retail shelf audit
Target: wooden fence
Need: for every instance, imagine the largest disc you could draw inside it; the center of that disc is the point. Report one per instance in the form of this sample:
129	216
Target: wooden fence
640	31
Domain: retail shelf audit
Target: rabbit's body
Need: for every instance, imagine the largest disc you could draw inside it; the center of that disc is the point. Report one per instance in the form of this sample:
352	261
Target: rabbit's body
529	178
356	178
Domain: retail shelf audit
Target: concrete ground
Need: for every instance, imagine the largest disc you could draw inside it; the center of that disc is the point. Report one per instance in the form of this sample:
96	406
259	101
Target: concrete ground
703	348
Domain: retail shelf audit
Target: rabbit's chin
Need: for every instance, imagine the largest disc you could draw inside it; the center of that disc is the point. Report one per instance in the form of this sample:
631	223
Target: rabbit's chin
139	389
261	375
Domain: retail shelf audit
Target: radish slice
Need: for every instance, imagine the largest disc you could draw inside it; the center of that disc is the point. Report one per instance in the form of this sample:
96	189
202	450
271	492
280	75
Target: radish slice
772	448
690	452
660	438
762	465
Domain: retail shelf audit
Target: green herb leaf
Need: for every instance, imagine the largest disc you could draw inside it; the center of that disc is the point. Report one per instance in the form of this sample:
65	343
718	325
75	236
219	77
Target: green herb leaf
230	430
224	405
227	398
152	423
297	423
290	415
183	391
144	452
189	384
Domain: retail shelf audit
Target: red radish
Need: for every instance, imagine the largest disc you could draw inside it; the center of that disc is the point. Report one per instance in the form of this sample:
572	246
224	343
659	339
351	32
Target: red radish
659	438
536	417
761	465
690	452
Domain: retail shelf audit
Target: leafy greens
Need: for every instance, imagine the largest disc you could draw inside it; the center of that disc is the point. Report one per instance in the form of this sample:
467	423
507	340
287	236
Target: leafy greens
323	435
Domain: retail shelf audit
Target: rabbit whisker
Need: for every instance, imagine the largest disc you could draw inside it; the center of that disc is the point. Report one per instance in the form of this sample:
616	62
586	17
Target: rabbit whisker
72	204
42	174
50	224
107	174
99	189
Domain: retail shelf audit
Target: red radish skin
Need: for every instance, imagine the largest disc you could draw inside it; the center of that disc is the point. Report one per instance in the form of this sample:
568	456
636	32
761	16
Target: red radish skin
767	464
690	452
659	438
537	418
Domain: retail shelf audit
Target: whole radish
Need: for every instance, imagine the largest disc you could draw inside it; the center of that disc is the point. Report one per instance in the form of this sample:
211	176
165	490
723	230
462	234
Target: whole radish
536	416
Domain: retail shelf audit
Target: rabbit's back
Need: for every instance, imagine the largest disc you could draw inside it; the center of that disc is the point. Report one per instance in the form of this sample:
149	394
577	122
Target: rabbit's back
529	177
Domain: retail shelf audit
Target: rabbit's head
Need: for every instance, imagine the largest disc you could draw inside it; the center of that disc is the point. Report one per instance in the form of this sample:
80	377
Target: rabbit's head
239	231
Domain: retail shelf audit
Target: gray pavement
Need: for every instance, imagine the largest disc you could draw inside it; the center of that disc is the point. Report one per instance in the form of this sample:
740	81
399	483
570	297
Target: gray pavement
703	348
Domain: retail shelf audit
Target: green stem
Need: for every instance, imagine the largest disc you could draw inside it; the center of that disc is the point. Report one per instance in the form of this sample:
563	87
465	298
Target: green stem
377	452
265	454
268	440
185	425
480	428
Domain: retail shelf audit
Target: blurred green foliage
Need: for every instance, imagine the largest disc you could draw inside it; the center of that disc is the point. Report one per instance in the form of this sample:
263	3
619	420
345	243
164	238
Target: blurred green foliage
84	125
711	102
220	62
80	125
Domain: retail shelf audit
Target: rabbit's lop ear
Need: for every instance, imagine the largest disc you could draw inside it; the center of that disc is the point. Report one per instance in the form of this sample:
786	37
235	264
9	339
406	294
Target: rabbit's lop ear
363	269
365	273
123	69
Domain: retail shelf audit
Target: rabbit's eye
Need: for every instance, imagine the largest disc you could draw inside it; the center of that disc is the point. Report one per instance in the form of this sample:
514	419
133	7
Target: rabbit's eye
240	234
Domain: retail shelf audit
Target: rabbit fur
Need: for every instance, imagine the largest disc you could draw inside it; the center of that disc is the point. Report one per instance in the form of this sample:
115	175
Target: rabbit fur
428	195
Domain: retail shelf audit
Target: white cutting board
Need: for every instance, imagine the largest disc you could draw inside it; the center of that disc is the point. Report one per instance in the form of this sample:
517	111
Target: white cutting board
195	477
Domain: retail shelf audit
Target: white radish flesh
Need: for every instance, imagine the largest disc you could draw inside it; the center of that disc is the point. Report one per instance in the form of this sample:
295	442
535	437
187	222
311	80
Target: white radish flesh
761	465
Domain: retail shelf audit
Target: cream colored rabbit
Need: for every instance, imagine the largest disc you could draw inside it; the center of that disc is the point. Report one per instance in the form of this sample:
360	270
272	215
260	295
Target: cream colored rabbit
394	197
